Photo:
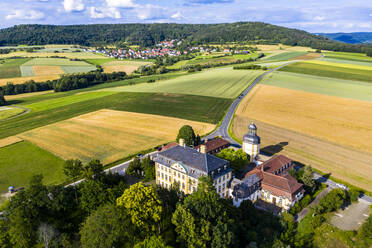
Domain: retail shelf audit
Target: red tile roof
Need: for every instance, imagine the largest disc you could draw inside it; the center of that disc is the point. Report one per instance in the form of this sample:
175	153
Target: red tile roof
170	145
214	144
275	163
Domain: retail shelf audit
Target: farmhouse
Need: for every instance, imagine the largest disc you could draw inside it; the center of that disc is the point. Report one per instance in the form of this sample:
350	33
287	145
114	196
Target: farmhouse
184	165
269	181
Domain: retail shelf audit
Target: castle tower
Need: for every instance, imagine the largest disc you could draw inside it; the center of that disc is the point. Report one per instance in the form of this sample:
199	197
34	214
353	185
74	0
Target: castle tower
251	142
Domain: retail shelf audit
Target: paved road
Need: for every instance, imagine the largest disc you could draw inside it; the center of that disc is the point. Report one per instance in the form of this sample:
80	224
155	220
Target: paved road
306	210
120	168
27	110
222	130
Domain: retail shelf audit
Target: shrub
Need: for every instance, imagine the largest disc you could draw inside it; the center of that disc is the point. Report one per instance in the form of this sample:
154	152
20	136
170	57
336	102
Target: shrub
353	195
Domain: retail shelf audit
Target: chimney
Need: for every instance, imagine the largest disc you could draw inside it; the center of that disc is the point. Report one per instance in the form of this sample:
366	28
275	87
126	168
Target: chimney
181	142
203	149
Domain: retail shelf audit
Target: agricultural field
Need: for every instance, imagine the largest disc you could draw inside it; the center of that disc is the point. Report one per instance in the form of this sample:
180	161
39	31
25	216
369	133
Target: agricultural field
128	66
69	55
348	62
348	56
330	133
109	135
285	55
52	109
321	85
22	160
39	69
212	60
332	70
7	112
222	82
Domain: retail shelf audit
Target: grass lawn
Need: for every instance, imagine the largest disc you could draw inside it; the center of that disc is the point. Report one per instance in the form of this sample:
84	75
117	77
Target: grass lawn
286	55
321	85
222	82
20	161
198	108
333	70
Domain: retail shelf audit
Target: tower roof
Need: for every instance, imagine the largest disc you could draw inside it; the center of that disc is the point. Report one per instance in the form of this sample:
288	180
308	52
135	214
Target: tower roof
252	126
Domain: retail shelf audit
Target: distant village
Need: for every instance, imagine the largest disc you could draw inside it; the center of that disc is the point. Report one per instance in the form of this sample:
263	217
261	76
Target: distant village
162	49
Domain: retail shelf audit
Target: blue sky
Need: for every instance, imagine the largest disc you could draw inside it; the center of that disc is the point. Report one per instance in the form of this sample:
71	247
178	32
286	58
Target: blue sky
309	15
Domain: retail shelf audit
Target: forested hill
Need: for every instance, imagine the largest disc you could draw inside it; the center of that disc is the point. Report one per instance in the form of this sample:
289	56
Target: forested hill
352	38
149	34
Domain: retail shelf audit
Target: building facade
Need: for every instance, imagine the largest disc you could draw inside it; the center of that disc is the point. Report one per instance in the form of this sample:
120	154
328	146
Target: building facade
183	166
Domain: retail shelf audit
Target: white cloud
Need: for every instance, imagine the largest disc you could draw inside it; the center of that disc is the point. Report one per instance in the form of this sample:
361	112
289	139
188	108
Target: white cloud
151	12
97	13
176	15
25	15
319	18
370	14
73	5
121	3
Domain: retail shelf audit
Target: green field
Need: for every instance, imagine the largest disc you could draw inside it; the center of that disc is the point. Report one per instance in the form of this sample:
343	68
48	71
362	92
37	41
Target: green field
77	69
6	112
54	62
223	82
348	56
286	55
10	68
329	71
345	61
22	160
100	61
198	108
321	85
212	60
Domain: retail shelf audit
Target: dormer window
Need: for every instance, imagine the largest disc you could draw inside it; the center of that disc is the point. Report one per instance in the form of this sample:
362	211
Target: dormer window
219	170
225	167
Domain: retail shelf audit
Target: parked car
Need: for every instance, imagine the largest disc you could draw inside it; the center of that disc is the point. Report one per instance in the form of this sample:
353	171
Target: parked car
341	186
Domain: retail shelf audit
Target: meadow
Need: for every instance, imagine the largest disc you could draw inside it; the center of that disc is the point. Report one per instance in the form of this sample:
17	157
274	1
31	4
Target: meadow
109	135
9	68
20	161
332	70
222	82
321	85
328	121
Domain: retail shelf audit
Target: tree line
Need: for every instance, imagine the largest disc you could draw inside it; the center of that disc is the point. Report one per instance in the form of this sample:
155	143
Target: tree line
147	35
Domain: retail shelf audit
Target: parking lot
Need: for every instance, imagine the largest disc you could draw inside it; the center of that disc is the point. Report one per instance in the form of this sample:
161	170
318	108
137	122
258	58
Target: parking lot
352	217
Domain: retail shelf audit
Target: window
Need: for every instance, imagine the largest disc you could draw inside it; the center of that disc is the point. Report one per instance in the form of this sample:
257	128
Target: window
183	185
183	177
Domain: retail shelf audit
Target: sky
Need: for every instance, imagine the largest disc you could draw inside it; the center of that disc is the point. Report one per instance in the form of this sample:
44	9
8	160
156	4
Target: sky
311	15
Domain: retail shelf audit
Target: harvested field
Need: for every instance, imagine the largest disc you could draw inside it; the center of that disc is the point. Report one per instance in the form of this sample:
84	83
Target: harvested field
109	135
338	120
47	70
222	82
342	162
308	56
20	80
9	141
117	68
321	85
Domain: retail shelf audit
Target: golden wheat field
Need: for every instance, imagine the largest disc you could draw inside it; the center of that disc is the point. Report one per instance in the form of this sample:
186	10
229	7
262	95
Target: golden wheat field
43	70
128	69
342	162
20	80
109	135
9	141
339	120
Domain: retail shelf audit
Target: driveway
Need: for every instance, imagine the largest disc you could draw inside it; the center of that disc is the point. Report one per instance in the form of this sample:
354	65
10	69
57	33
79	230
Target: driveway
306	210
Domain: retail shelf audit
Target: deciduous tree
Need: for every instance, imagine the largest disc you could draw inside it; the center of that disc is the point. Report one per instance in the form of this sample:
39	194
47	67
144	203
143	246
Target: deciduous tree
187	134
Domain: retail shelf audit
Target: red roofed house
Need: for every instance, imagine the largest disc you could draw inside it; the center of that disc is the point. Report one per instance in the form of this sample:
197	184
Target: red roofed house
278	187
214	145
